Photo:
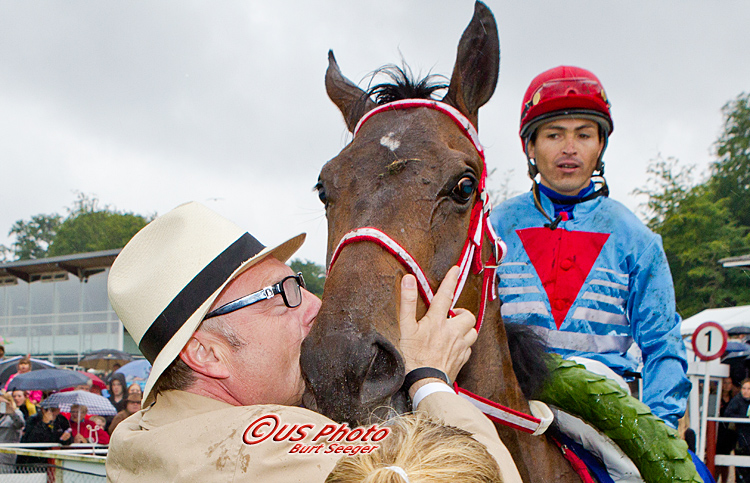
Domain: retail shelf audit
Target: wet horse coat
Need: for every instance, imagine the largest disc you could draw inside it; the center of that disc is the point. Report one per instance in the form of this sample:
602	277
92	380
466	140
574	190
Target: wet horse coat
413	174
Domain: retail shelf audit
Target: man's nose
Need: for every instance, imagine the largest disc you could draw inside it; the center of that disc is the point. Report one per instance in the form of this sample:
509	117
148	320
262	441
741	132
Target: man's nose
570	145
311	302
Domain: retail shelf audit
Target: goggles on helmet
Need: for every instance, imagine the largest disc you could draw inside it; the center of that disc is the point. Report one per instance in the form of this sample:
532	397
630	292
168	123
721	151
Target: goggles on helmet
561	88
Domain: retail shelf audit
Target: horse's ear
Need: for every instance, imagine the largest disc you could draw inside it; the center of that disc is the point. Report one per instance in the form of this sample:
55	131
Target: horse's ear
352	101
477	65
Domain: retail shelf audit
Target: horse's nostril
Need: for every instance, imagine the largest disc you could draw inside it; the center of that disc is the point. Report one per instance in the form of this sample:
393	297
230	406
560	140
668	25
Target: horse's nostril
385	374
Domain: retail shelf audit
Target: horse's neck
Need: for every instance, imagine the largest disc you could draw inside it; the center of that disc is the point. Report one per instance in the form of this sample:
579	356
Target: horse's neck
489	371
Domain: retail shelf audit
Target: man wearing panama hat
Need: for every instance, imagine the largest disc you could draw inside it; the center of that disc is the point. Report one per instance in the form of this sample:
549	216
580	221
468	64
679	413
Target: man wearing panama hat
222	318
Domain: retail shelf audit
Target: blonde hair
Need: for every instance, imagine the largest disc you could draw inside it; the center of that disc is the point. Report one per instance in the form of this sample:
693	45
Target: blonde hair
427	451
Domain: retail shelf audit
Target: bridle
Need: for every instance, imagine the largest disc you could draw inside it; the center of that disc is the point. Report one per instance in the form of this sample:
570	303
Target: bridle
480	227
470	260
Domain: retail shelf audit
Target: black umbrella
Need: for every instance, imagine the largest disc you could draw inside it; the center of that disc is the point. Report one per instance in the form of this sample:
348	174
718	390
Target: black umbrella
47	380
735	356
105	359
8	367
741	330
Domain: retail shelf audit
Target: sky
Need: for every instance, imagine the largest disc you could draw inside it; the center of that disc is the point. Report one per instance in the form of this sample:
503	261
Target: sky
146	104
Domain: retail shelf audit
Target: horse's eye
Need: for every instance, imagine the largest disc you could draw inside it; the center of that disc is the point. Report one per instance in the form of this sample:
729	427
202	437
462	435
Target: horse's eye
321	192
464	189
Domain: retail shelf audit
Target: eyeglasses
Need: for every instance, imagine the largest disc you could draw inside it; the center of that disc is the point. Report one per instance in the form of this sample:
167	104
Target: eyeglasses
289	288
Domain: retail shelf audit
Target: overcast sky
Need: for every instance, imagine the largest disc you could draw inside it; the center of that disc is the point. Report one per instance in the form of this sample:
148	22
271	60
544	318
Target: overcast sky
148	104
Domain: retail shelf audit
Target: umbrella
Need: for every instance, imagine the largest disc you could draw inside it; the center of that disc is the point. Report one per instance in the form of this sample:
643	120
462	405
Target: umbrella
730	357
736	346
104	359
741	330
47	380
136	371
95	380
8	367
94	403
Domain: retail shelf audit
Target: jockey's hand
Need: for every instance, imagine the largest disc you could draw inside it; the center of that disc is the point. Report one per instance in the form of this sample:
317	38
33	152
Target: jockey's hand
436	340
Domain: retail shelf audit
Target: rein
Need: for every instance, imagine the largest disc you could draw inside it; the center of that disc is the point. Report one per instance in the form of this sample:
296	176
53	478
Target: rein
469	261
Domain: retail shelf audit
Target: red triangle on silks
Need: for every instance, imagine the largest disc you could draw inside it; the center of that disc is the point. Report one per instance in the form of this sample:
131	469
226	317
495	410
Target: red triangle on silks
563	260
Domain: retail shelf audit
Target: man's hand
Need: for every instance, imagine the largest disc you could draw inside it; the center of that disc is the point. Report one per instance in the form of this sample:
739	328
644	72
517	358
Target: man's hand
435	341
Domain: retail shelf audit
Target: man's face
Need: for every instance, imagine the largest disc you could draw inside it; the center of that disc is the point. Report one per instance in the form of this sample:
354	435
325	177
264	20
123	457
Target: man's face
746	390
133	407
266	370
77	413
566	151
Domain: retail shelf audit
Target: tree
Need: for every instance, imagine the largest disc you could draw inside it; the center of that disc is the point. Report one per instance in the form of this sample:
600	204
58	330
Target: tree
670	184
696	235
33	237
730	177
698	229
314	275
87	228
95	231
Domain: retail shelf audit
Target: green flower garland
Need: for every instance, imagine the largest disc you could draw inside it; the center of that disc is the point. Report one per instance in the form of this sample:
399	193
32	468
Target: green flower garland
655	448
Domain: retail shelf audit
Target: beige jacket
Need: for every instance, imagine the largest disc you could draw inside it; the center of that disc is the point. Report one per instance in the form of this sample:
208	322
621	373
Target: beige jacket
189	438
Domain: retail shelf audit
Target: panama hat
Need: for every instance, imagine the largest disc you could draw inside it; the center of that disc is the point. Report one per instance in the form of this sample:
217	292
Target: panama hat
169	274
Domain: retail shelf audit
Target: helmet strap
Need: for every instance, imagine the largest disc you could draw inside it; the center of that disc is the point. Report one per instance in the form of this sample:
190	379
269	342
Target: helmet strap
533	170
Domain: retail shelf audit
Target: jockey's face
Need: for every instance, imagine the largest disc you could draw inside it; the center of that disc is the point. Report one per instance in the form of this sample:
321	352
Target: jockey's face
566	151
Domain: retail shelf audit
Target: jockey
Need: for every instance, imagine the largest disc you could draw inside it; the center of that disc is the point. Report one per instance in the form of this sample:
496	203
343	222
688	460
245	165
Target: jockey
581	269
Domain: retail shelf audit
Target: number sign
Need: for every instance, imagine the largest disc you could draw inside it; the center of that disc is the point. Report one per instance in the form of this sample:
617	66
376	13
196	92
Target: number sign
709	341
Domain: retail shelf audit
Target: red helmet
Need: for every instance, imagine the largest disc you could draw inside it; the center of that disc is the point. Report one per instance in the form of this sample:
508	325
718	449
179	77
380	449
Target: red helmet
564	91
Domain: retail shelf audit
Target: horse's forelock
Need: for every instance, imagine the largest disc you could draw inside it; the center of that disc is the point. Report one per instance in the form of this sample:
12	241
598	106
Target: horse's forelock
404	85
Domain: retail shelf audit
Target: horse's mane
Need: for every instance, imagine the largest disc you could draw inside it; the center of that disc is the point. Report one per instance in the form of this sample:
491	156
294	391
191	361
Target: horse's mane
404	85
530	358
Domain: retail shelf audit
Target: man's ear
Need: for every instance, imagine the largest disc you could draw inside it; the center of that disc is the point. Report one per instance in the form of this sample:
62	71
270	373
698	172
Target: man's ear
205	354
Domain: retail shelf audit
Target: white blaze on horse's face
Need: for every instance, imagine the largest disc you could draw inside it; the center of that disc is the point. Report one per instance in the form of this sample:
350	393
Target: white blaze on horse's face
390	141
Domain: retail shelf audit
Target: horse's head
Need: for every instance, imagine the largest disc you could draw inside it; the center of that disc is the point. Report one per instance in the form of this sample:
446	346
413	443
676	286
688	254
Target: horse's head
412	173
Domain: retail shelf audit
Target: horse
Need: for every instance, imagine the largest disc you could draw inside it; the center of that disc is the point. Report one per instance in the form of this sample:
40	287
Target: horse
413	173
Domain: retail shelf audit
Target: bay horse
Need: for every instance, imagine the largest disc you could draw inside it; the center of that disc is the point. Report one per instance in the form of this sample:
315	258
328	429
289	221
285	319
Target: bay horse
414	174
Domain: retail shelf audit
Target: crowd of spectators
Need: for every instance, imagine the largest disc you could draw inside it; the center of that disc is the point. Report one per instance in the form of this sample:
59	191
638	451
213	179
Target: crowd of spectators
27	417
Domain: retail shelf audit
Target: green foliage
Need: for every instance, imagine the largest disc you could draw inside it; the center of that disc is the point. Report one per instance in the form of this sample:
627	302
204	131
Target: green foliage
702	223
33	237
87	228
730	177
95	231
314	275
699	233
670	185
655	448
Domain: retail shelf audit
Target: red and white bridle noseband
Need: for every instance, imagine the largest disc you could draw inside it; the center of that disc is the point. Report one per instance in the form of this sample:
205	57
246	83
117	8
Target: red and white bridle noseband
470	259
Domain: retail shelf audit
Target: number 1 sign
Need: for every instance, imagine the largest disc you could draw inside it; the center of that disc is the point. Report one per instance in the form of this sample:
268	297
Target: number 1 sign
709	341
